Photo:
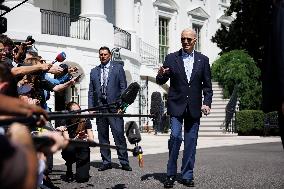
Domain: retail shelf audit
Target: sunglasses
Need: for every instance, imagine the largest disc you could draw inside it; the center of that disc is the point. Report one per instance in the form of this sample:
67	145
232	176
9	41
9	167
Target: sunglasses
183	39
42	61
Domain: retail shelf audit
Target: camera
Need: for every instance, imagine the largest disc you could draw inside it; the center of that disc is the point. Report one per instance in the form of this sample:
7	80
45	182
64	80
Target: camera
3	21
30	40
3	25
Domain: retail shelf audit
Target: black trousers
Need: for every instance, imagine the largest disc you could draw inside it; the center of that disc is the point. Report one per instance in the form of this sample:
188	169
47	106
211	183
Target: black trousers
80	156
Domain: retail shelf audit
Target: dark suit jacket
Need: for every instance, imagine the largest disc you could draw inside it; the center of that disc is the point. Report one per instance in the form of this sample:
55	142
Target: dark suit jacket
273	68
183	93
115	86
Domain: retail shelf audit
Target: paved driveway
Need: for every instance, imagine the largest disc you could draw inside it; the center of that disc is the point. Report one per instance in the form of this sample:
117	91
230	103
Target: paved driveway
244	166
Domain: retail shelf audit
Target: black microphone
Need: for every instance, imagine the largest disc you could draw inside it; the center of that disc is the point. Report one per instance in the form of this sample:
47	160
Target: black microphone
5	8
129	95
156	103
156	109
132	132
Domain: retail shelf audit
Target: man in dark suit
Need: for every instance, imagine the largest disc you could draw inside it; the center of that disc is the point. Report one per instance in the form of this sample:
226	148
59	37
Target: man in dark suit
273	68
107	82
189	74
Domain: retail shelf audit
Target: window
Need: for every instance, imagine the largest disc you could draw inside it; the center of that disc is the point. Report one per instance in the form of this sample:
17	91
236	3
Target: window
165	99
224	1
75	93
197	29
163	38
75	9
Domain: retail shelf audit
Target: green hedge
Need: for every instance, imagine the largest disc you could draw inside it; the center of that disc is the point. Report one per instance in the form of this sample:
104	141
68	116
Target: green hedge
250	122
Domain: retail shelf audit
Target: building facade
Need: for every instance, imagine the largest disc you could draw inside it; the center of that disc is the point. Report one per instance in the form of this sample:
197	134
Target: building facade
145	31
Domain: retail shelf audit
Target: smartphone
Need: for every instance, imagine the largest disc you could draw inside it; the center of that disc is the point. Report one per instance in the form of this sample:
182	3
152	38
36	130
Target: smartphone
78	77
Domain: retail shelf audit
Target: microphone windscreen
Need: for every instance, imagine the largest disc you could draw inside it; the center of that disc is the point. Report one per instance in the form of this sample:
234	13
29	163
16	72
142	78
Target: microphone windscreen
156	103
130	93
60	57
5	8
132	132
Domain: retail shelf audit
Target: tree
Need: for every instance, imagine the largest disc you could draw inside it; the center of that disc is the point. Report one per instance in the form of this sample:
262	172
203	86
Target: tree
248	31
238	68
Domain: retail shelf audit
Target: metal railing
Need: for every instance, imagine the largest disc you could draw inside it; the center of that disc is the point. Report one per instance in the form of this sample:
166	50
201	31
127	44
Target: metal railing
148	54
122	38
230	125
63	24
270	122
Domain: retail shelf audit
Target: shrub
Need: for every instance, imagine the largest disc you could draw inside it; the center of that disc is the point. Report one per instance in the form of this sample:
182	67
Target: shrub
237	67
271	127
250	122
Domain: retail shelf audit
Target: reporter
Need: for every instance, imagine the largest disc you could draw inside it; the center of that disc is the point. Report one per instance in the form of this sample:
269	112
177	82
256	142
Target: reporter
79	129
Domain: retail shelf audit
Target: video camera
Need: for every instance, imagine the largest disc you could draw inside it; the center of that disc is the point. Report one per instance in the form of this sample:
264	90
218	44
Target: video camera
3	21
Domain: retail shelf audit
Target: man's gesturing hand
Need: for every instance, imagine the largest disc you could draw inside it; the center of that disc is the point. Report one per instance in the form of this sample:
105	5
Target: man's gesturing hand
163	71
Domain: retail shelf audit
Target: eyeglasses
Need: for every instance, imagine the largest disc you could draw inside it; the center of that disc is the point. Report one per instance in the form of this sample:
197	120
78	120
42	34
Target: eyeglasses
183	39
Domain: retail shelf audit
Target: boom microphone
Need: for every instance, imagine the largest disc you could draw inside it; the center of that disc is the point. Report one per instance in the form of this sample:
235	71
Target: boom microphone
156	103
5	8
156	110
132	132
60	57
129	95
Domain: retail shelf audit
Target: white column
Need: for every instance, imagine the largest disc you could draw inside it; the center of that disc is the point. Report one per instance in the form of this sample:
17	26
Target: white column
93	9
101	31
124	15
124	19
25	18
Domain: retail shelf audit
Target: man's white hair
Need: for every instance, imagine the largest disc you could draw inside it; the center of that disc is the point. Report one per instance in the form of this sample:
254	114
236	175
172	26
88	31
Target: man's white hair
189	30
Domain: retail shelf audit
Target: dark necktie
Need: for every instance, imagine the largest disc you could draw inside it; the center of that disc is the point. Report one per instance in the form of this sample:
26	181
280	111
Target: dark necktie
104	86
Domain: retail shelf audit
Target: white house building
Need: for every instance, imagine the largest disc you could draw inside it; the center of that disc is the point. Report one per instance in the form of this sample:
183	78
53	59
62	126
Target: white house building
145	30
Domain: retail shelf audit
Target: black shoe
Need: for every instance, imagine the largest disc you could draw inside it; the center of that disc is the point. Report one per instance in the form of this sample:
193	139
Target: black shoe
105	167
169	183
48	183
188	182
82	180
69	177
126	167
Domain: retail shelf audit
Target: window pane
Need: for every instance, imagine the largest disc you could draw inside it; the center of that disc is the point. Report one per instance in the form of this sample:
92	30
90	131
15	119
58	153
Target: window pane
163	38
197	29
75	7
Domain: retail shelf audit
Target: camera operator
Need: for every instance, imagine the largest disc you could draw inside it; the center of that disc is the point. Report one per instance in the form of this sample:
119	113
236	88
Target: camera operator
20	49
8	47
16	68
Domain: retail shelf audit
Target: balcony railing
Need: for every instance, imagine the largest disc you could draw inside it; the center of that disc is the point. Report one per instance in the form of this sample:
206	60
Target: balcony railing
122	38
148	54
63	24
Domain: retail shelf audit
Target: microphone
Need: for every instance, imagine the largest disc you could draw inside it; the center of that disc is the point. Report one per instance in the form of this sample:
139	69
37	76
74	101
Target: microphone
60	57
5	8
129	95
132	132
156	109
134	136
156	104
